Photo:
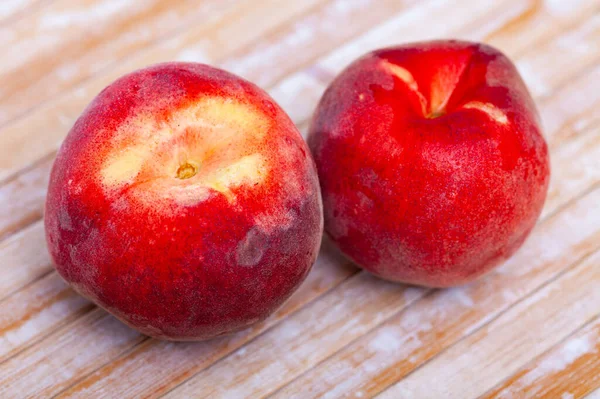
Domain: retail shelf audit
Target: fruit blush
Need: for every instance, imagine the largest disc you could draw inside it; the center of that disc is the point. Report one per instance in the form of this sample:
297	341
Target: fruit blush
184	202
431	160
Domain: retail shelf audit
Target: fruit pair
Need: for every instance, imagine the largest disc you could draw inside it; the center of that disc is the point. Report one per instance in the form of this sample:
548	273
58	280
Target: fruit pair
185	202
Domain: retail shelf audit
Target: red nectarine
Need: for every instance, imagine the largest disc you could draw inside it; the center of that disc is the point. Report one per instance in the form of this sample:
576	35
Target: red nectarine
185	202
431	159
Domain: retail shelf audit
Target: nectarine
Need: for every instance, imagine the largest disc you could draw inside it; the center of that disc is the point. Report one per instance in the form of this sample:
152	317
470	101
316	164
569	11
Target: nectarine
185	202
432	163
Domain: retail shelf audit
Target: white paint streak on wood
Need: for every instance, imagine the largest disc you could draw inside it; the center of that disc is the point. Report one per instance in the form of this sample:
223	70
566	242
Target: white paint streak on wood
554	364
36	310
504	345
23	258
65	356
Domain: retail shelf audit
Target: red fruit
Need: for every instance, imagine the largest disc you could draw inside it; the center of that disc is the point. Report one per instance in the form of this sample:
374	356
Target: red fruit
185	202
431	159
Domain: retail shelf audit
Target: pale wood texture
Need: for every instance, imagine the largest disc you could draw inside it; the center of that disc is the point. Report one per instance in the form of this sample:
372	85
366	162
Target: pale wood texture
529	329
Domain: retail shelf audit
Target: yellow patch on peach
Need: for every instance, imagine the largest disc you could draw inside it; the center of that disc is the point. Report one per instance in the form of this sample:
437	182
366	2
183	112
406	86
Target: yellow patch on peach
247	170
404	75
442	86
490	109
125	166
212	143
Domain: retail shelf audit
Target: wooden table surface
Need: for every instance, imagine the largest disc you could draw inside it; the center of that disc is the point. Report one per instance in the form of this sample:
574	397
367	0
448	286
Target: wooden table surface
530	329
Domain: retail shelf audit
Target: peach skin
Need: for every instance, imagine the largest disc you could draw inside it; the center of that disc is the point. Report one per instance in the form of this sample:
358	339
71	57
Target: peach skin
185	202
431	159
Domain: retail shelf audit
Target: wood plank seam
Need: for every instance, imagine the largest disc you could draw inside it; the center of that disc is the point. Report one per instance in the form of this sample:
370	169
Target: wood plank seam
49	270
572	266
547	304
140	343
10	19
566	339
427	293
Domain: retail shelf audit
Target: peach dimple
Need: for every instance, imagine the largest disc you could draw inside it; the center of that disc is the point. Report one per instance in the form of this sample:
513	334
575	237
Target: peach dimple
442	84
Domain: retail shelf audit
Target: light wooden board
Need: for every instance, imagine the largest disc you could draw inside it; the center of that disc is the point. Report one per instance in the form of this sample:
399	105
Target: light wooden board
529	329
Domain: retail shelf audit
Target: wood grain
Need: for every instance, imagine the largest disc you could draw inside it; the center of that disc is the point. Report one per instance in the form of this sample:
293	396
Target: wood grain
90	36
210	45
13	10
526	330
576	358
529	329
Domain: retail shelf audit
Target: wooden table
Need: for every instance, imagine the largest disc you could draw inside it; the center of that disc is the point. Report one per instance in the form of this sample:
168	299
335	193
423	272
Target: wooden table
530	329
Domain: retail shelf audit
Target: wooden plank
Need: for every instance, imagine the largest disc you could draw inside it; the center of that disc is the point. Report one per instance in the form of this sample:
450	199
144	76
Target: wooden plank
90	36
19	263
508	342
68	366
532	26
568	370
570	112
33	312
62	359
13	10
315	34
574	166
210	45
582	42
22	198
452	16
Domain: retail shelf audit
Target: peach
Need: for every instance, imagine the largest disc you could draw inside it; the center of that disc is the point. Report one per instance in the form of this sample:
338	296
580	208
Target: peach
431	159
184	202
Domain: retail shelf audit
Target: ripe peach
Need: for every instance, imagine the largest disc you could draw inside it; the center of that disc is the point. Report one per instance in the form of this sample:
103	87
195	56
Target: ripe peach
185	202
431	159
